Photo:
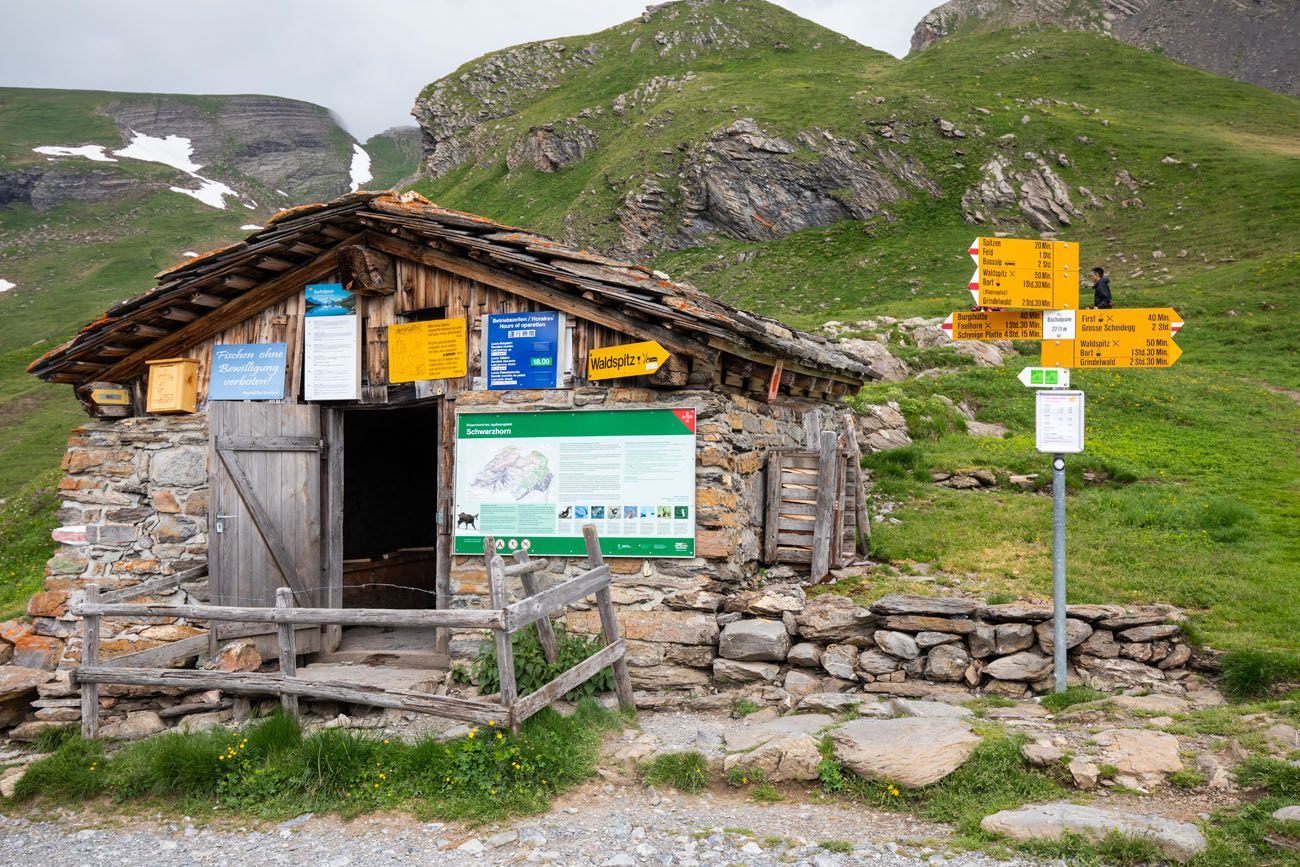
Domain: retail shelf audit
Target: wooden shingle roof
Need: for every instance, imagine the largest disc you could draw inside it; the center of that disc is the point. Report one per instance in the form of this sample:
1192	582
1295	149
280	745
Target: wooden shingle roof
224	286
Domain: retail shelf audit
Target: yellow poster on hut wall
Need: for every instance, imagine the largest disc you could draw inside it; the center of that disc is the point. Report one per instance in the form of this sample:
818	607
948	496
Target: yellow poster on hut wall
427	350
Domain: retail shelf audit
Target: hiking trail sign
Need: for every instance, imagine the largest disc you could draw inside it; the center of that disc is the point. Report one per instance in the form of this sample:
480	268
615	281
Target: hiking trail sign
632	359
1026	274
1045	377
994	325
1127	337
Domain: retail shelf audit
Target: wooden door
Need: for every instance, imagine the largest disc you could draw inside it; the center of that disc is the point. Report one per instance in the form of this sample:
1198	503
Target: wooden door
265	468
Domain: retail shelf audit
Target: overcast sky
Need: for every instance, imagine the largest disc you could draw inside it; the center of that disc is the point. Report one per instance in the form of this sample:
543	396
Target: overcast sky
365	60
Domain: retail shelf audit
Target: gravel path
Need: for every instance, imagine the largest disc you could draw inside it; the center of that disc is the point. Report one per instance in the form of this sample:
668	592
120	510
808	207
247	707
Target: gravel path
598	824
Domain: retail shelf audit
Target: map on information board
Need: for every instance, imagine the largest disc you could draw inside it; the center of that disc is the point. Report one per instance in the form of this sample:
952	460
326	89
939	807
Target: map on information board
532	480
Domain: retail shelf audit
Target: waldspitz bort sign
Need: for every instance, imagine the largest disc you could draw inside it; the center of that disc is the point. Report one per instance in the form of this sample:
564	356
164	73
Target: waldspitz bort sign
248	371
533	479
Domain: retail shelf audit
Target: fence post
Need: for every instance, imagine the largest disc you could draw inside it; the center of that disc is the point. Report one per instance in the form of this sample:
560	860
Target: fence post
861	514
608	622
288	651
496	576
90	659
545	632
827	494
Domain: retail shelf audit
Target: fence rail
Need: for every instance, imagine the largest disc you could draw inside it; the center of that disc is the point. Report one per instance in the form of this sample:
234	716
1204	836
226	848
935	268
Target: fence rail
503	619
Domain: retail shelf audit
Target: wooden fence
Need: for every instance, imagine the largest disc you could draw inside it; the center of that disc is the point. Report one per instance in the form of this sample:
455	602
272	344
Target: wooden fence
504	619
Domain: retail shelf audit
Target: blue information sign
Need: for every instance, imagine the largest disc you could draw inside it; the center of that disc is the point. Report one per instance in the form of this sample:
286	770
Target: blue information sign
523	350
248	371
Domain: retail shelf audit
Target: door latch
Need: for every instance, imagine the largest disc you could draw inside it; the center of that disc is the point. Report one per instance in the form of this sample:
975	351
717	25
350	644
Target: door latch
221	522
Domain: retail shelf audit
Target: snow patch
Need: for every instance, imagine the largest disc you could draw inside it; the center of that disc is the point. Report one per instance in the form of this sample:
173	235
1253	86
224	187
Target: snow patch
360	169
90	152
173	150
249	227
189	254
5	285
211	193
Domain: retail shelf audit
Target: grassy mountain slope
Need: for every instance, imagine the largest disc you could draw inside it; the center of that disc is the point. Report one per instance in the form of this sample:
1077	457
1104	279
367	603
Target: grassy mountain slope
1185	507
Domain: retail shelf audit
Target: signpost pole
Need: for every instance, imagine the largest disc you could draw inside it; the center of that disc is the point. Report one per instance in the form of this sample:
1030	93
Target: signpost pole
1058	570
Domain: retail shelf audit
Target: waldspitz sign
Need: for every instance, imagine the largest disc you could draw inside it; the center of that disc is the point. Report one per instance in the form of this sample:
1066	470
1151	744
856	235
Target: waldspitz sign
533	479
1128	337
633	359
1025	273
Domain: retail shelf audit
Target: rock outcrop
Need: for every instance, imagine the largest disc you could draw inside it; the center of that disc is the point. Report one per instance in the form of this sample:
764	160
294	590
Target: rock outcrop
1252	41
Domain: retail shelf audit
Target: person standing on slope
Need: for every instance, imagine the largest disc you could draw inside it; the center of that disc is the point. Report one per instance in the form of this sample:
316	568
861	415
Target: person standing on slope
1101	299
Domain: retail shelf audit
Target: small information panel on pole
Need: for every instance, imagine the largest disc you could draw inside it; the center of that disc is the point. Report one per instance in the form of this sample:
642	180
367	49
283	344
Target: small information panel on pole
1059	421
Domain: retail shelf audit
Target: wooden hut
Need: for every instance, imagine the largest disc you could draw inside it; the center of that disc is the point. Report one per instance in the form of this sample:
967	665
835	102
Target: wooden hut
340	481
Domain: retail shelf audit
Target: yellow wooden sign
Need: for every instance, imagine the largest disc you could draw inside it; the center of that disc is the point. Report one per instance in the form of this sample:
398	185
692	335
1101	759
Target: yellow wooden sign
1128	337
1024	273
110	396
995	325
427	350
633	359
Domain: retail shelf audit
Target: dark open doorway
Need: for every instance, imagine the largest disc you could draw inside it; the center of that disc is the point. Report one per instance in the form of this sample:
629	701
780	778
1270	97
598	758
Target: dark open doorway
390	480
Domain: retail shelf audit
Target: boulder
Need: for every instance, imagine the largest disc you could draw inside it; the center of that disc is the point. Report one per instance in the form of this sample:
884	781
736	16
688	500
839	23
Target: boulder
1041	753
1284	736
983	642
137	724
1012	637
741	671
904	604
877	663
1109	675
754	640
836	619
1019	666
946	663
770	601
9	780
1281	814
800	684
236	656
908	752
805	653
1176	840
666	676
925	622
1100	644
927	709
17	681
1146	756
1150	633
839	661
1076	632
1154	703
1128	621
785	757
838	702
749	736
1014	611
898	644
1178	656
926	640
1085	774
1092	613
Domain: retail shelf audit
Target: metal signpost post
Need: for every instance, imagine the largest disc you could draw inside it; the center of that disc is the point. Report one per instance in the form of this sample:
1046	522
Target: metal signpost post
1058	420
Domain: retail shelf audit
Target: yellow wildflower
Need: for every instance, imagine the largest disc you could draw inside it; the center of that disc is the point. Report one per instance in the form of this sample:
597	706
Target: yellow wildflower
500	736
492	722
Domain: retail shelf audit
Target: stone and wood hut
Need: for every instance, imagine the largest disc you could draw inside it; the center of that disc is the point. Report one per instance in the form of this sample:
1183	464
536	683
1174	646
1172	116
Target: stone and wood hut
352	502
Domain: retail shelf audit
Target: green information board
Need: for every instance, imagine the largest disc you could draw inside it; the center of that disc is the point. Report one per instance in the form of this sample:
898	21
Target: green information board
532	480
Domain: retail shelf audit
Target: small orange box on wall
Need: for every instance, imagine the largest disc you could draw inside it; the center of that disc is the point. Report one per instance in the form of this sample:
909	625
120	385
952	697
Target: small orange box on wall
173	385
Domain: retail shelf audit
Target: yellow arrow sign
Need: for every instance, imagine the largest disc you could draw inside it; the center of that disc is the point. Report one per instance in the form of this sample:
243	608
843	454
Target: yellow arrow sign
110	396
994	325
634	359
1131	337
1025	273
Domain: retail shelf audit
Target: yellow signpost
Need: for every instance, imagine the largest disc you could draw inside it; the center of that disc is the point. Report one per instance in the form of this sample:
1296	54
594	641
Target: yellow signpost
1119	338
995	325
1025	273
633	359
427	350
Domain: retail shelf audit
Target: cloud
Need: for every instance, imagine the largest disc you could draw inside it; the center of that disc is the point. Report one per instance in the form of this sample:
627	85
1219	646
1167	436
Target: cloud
366	61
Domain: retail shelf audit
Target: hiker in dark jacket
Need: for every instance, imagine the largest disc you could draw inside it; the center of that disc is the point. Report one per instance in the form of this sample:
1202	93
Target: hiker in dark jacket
1101	299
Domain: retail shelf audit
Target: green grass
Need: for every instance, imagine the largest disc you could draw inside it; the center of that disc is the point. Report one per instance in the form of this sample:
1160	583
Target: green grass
26	519
1249	673
1059	701
843	847
743	707
532	671
274	770
686	772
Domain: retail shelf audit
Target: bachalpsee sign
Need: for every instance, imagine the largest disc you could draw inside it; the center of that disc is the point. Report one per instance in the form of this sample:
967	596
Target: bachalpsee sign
533	479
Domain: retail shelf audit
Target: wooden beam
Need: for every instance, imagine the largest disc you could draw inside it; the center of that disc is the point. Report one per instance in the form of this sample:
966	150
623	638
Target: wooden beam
223	317
457	618
534	608
543	294
576	676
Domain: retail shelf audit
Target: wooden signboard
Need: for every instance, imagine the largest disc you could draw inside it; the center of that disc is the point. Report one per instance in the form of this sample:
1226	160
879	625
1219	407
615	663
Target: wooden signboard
435	349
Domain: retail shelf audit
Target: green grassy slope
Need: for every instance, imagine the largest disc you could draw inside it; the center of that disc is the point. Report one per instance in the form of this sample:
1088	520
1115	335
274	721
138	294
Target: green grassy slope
1200	485
394	156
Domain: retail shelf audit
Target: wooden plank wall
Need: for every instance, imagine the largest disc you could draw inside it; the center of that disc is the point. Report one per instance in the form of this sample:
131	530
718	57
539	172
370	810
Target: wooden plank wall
793	483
